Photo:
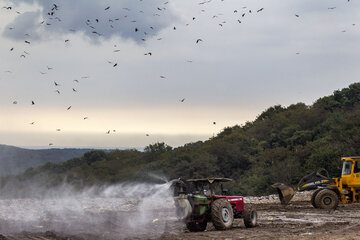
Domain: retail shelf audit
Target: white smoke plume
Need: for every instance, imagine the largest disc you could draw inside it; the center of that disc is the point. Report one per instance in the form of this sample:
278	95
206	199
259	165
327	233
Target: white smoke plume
128	210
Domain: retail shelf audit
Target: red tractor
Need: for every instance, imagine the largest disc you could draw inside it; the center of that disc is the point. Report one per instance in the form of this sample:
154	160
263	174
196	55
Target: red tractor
199	201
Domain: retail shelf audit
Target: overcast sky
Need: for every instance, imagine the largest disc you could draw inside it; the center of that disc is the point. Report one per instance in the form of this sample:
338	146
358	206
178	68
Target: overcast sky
253	54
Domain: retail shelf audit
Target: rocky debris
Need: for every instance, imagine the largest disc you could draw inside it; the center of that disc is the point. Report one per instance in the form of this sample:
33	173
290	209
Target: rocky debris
274	198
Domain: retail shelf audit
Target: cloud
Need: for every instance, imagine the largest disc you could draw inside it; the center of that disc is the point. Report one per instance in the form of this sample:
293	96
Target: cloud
128	19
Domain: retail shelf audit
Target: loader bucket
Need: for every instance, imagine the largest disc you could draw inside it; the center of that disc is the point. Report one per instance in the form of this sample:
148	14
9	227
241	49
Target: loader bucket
286	192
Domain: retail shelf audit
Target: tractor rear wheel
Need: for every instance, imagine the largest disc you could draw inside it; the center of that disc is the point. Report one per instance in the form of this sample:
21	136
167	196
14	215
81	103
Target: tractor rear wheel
222	214
326	199
250	217
313	198
196	226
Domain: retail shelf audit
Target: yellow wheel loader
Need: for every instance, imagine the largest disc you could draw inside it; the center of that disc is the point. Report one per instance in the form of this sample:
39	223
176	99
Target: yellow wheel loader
328	191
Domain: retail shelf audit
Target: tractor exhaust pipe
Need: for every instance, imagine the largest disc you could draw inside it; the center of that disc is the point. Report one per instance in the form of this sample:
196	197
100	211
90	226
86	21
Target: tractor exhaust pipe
286	193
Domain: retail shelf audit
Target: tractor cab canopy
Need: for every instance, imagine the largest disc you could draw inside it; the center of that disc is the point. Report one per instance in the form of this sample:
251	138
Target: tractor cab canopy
208	186
210	180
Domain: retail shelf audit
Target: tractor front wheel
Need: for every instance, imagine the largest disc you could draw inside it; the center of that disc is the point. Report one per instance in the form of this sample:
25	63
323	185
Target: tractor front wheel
222	214
326	199
250	217
196	226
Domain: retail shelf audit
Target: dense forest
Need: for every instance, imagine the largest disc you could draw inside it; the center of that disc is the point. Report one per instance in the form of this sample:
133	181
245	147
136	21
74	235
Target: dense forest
282	145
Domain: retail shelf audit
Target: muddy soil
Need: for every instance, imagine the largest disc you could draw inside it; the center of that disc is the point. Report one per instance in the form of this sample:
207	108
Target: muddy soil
299	220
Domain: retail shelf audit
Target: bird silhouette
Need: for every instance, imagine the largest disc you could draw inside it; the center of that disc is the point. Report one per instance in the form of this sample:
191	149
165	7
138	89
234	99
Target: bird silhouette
199	40
68	108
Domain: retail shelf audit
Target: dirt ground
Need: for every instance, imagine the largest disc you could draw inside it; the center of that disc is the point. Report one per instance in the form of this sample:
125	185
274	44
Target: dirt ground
299	220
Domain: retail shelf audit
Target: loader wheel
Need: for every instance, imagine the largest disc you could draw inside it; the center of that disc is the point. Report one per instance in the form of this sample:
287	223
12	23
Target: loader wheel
326	199
222	214
313	197
196	226
250	217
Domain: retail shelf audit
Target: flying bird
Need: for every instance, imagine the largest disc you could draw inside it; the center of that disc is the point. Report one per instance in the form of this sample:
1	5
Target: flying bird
107	8
68	108
32	103
182	100
199	40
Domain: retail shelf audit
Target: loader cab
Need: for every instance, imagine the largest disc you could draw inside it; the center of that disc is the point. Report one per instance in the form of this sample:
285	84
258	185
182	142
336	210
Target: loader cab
351	171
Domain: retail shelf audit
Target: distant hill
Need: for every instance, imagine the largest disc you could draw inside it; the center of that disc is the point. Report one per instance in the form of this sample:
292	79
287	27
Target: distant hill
14	160
282	144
